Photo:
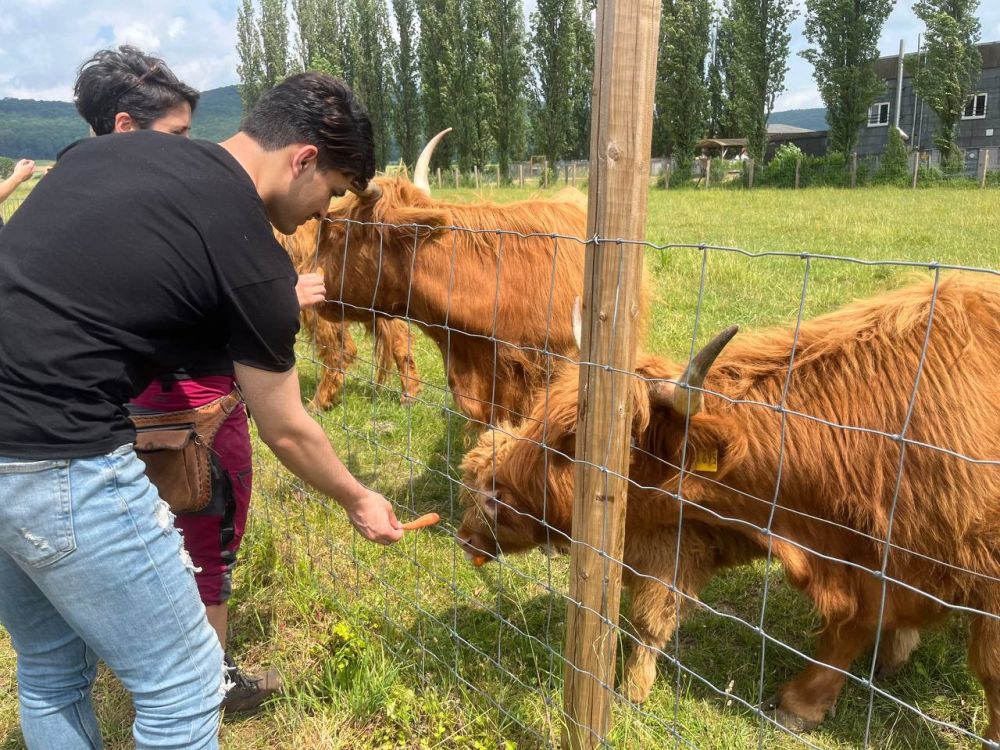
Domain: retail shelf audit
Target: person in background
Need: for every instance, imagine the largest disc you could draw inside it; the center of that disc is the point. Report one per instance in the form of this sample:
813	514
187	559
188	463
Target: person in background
21	174
124	90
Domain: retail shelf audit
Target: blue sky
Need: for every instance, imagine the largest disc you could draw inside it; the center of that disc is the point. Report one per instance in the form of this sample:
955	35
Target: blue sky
42	42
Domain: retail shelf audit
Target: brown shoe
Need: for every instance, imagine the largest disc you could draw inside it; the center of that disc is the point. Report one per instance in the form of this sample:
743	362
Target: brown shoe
247	692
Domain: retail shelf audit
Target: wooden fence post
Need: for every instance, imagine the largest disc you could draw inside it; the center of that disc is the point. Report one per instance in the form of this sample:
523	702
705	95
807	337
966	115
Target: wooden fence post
627	33
854	169
475	169
439	178
545	173
985	161
749	163
667	169
708	171
798	169
916	168
498	176
520	174
456	178
574	174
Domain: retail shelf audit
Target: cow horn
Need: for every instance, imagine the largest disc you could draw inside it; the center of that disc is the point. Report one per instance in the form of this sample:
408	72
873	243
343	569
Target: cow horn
370	194
687	400
421	173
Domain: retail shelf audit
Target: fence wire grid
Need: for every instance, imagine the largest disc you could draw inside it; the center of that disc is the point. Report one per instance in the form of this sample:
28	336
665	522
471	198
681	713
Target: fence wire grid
495	634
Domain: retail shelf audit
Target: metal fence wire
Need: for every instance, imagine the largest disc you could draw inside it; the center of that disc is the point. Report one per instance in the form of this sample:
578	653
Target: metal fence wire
785	547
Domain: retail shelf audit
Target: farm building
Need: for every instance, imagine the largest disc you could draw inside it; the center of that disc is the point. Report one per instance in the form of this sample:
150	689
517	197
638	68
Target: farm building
979	127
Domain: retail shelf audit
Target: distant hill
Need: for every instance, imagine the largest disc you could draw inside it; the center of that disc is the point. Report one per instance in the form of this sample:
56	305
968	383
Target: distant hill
34	129
810	119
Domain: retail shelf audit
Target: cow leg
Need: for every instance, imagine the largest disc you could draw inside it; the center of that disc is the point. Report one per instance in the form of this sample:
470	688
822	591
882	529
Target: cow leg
337	351
894	650
805	701
984	658
654	613
398	334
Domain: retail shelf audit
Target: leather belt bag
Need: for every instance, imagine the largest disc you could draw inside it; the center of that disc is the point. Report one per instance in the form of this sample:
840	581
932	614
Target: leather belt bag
176	448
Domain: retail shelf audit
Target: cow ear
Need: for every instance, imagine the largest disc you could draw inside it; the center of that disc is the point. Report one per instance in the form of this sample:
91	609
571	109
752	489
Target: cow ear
422	221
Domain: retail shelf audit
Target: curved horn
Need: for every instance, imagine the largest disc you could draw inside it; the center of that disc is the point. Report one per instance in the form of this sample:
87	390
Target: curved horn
370	194
687	393
578	323
422	170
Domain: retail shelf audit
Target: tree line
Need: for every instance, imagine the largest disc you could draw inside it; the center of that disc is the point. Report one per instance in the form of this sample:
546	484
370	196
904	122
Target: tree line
512	89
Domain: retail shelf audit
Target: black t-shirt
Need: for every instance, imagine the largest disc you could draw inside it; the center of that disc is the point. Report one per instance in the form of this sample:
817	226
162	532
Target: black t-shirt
141	253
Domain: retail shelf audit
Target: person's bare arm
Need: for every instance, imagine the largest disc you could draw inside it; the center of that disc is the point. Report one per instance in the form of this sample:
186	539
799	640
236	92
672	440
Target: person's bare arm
302	446
22	171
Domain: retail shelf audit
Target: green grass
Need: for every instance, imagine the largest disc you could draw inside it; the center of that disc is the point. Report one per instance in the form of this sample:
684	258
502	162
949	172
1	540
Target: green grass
410	647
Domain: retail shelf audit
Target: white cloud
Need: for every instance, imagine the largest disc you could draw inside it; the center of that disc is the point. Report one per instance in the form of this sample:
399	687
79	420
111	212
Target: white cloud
44	41
800	99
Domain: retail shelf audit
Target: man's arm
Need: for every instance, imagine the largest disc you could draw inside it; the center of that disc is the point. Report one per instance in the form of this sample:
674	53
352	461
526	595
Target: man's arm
22	171
302	446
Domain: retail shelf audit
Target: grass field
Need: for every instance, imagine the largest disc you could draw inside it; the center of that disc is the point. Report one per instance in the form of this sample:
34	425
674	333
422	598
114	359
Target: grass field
410	647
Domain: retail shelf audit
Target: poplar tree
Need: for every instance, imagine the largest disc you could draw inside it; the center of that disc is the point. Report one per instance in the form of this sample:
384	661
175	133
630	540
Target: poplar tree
248	47
844	35
372	50
472	100
506	77
681	91
321	36
759	64
582	78
274	41
720	118
407	115
952	66
553	36
437	52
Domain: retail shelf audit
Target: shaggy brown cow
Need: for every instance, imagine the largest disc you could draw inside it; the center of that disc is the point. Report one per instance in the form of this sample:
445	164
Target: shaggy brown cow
847	480
495	295
333	341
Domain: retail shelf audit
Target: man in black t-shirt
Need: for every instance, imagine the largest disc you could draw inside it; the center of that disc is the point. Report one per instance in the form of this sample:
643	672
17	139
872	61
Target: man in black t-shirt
139	253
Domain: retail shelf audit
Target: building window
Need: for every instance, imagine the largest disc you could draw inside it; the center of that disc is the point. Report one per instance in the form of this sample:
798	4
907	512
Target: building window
878	114
975	108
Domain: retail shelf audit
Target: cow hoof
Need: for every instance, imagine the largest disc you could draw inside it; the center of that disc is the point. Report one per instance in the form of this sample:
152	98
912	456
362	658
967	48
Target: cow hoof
790	721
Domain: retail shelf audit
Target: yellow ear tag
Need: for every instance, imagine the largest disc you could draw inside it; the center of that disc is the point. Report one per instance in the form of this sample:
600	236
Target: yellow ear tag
706	459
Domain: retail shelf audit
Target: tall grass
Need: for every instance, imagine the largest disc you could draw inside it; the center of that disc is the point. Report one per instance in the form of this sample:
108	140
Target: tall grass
410	647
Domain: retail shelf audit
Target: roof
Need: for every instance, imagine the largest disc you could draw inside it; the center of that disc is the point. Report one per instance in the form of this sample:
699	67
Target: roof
885	67
777	127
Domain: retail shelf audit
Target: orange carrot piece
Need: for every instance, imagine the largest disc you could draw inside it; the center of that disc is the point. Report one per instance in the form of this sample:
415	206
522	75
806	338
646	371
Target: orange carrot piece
479	560
428	519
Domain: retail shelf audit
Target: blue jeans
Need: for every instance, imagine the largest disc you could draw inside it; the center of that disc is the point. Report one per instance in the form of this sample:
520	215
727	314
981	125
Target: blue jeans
92	568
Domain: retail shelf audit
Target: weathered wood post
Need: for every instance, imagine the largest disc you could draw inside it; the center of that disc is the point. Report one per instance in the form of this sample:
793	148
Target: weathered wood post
916	168
456	177
520	174
667	169
439	178
498	176
574	174
798	171
621	131
985	162
749	163
854	169
545	173
475	169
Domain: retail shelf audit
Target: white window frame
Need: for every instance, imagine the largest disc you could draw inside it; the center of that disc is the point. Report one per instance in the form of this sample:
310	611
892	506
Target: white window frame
878	123
973	98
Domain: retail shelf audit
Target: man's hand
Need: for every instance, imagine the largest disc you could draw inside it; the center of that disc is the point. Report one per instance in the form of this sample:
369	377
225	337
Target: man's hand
23	170
374	519
310	289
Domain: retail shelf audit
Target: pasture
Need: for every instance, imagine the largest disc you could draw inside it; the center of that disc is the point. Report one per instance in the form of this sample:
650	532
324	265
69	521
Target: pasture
412	647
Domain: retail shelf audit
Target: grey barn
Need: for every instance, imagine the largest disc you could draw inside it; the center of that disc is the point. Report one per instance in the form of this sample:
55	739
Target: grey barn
979	127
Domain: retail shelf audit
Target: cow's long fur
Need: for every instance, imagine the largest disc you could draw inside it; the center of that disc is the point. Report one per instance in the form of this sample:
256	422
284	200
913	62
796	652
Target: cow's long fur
333	341
493	300
840	488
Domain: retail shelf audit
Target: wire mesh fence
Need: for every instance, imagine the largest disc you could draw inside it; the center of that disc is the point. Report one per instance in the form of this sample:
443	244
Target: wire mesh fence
795	519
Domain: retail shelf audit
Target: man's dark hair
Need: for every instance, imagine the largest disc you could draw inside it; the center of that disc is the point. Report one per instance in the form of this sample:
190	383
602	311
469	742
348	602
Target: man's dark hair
126	80
322	111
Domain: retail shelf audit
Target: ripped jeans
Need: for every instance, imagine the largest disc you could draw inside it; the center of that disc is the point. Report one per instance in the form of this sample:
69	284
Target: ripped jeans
92	568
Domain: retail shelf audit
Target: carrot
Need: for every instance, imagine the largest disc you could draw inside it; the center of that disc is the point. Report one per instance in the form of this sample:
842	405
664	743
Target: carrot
479	560
428	519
